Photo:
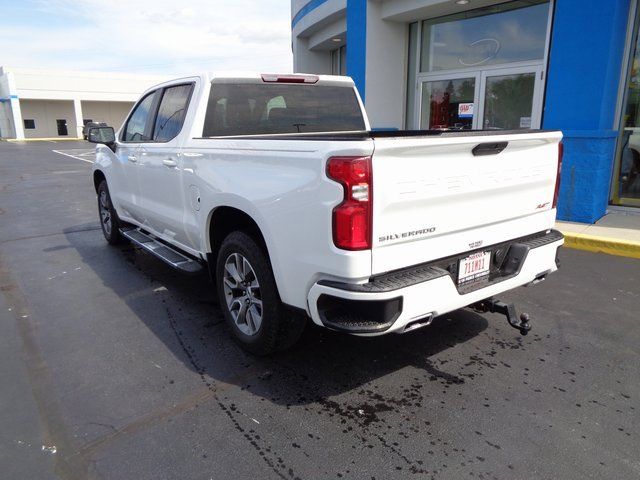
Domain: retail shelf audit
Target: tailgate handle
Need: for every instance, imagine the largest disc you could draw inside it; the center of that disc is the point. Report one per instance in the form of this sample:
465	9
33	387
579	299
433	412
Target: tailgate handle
489	148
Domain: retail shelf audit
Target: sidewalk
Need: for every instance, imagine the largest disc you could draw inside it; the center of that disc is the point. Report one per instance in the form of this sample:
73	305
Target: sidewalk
617	233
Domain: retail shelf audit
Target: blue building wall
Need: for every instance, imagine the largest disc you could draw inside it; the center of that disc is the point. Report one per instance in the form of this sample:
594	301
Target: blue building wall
585	64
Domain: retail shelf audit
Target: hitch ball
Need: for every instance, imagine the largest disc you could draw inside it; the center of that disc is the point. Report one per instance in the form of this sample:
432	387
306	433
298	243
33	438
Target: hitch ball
524	323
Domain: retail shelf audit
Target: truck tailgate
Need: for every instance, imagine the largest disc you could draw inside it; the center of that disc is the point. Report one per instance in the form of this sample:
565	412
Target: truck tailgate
434	197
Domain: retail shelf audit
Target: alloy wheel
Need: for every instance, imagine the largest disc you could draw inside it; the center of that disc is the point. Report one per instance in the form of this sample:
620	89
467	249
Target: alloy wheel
242	293
105	213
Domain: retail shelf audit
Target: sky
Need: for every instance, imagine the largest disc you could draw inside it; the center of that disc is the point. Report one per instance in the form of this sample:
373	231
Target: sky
155	37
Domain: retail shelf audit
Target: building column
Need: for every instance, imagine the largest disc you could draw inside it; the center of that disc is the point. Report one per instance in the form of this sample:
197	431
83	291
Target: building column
357	43
77	108
16	113
385	64
16	117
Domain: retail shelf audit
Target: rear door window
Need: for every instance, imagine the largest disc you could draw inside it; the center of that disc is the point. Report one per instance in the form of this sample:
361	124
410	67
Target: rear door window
255	109
172	111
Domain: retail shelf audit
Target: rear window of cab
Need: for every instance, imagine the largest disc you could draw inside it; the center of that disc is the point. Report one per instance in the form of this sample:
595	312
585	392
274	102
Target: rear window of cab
271	108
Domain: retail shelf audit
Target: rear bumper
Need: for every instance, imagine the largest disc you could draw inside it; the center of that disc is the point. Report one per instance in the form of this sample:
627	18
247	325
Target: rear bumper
401	300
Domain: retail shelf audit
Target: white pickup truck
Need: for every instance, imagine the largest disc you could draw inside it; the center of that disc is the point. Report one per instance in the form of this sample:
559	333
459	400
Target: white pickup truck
277	185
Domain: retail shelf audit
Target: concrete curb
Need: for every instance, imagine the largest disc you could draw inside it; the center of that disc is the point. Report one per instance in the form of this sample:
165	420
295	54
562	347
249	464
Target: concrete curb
611	246
52	139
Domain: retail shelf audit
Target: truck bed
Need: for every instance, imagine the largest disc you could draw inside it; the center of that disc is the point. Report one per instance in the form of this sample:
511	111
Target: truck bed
373	134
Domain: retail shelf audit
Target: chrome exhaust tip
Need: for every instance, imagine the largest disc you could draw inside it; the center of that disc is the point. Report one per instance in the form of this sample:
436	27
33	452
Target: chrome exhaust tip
418	323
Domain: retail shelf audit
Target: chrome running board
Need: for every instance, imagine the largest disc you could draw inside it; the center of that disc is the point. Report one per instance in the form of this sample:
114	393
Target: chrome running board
167	254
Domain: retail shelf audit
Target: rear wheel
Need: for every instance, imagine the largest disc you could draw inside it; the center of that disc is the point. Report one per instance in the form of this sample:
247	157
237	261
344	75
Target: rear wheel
249	298
109	221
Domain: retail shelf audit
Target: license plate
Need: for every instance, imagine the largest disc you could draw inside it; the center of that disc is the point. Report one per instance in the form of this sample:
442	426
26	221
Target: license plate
474	267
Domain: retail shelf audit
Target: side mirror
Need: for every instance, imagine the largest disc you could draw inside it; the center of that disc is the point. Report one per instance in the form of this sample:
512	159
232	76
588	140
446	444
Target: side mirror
105	135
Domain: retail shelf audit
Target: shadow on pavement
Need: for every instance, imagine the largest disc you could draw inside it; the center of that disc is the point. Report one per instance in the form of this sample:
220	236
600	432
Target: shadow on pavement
182	311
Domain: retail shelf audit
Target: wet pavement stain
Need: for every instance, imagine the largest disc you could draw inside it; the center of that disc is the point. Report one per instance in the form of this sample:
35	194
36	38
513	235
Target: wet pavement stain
270	458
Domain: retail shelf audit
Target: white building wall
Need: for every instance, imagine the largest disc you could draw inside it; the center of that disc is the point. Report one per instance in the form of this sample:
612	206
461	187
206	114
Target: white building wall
322	39
312	37
45	113
113	113
309	61
67	85
6	125
47	95
386	66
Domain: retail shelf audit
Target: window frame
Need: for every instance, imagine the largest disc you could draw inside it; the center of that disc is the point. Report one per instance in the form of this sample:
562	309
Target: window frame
339	57
32	120
157	109
239	83
616	200
150	125
153	108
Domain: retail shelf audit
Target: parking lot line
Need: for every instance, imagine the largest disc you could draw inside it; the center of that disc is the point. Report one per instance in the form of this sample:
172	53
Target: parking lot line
72	156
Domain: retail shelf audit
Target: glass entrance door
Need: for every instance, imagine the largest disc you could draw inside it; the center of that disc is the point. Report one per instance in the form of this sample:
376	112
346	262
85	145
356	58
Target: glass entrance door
449	103
497	99
508	99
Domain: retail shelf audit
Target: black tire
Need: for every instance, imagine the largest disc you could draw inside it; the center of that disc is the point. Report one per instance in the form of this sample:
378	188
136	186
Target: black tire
109	221
279	328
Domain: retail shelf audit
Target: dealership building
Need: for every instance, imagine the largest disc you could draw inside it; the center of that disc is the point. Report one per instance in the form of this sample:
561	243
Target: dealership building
572	65
56	104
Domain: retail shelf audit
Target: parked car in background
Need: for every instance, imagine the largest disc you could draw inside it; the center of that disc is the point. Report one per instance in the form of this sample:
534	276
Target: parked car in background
88	125
277	185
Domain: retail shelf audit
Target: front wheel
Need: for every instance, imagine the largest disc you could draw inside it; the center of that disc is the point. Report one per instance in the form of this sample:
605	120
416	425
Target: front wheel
249	298
109	221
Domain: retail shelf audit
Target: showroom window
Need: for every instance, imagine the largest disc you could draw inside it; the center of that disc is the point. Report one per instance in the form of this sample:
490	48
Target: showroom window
479	69
626	178
339	61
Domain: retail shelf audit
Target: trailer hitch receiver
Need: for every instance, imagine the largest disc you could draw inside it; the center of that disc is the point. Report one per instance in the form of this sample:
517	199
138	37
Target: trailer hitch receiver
520	323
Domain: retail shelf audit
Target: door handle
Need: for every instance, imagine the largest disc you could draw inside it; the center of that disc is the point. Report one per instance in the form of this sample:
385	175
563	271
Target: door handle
169	162
132	158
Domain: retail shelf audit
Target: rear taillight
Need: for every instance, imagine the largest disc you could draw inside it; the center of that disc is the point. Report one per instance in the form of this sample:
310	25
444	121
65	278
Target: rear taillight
556	193
352	219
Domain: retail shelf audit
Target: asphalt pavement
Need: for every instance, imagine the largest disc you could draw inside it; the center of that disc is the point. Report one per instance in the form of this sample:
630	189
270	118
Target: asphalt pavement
114	366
